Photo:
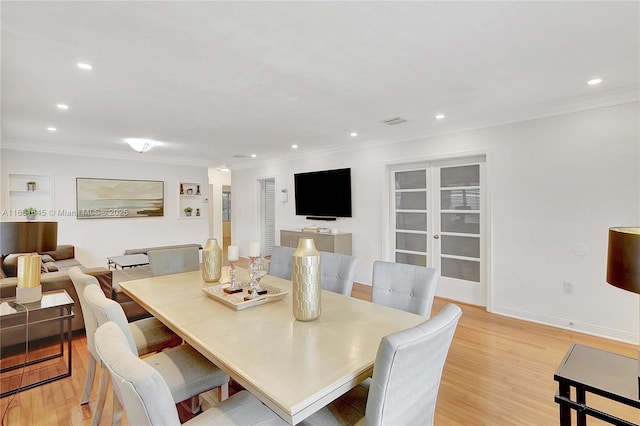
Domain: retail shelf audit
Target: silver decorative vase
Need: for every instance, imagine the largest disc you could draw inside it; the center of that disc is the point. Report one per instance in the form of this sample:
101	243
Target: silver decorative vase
211	261
306	281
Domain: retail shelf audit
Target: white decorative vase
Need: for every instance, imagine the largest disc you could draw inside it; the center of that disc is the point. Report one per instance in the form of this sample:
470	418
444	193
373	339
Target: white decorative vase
306	280
211	261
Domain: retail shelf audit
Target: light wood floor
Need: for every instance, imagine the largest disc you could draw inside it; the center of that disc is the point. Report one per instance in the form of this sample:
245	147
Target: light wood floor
499	372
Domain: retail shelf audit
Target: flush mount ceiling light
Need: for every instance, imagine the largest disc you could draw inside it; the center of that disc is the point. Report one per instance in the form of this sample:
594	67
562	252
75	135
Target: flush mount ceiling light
141	145
84	66
594	81
62	106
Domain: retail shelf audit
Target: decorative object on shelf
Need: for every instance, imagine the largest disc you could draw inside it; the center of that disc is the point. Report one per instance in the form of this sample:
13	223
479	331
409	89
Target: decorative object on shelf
198	190
181	189
187	211
30	213
28	289
190	191
211	261
232	256
31	186
623	262
306	280
197	212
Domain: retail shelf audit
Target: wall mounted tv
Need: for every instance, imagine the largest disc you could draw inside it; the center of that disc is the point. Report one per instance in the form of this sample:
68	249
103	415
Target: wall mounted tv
323	195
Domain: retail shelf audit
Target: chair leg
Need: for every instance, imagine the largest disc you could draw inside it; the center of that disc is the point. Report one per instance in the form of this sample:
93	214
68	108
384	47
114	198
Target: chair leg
91	372
102	395
117	411
223	392
195	404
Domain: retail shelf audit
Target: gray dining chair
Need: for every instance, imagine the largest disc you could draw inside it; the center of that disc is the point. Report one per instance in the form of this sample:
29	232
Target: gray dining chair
147	399
407	287
173	260
337	272
186	371
280	262
149	335
406	378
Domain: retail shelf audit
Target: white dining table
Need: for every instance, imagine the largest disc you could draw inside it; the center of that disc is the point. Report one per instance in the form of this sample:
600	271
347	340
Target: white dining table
293	367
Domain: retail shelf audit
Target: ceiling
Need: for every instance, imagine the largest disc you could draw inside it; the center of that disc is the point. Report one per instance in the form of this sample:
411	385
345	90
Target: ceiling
218	80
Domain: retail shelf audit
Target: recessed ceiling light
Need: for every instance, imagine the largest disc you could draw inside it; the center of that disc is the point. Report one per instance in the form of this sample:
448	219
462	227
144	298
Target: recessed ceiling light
594	81
51	129
439	116
253	155
62	106
224	169
84	66
294	146
353	134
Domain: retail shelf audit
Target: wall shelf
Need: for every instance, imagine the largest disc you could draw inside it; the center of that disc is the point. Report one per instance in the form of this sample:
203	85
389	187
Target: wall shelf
29	190
190	195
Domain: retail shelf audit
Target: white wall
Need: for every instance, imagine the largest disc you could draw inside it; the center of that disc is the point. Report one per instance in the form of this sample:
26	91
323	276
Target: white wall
96	239
557	184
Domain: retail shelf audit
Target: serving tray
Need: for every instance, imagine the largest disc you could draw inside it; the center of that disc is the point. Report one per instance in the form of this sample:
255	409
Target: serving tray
236	300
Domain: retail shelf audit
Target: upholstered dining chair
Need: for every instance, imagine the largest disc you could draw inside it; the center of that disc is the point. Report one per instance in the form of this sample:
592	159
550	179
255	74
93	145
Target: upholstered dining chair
149	335
280	263
185	370
407	287
406	378
147	398
337	272
173	260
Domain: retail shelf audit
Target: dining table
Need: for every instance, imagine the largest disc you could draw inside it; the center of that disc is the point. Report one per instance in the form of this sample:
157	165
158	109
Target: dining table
293	367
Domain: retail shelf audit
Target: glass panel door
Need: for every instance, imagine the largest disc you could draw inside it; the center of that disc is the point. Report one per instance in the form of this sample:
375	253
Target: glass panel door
410	216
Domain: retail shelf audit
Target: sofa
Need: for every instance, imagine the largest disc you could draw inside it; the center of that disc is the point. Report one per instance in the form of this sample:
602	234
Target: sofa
61	260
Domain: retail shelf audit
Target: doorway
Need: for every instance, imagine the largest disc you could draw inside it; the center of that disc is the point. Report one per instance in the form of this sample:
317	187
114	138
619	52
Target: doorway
226	217
437	219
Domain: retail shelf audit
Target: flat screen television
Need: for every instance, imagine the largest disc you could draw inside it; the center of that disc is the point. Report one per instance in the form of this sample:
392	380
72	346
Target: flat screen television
323	194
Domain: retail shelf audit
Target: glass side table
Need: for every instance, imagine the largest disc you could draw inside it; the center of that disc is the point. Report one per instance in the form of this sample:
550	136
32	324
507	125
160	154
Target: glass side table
55	306
599	372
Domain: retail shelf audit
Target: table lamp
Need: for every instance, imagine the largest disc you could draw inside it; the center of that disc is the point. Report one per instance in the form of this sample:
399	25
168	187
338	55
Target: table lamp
28	238
623	263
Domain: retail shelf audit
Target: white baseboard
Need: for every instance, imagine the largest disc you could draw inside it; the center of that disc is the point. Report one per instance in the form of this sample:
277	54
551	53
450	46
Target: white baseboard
594	330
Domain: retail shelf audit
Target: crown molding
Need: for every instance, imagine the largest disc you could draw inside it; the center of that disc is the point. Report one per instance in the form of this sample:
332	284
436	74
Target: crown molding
102	153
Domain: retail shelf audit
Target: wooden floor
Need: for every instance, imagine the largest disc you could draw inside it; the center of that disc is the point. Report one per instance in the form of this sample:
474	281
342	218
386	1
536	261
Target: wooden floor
499	372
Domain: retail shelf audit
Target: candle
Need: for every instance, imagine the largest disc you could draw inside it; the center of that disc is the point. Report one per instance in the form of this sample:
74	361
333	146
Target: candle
254	249
232	253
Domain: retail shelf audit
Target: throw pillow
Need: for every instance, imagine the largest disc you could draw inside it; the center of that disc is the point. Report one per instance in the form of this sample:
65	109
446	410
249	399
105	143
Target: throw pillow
46	258
51	267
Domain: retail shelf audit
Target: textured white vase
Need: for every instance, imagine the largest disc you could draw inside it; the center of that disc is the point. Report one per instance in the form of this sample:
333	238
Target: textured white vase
211	261
306	280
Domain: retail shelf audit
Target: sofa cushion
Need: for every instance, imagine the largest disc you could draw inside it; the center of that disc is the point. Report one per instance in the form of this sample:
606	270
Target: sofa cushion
64	251
10	264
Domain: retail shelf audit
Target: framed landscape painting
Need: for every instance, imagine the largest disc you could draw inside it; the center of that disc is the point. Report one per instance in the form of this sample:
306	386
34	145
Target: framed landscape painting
118	198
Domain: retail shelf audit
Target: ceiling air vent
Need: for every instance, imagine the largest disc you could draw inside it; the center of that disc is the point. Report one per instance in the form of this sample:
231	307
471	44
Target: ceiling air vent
394	121
239	156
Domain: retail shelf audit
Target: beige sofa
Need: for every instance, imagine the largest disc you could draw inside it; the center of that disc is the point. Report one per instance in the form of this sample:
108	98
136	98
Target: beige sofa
64	258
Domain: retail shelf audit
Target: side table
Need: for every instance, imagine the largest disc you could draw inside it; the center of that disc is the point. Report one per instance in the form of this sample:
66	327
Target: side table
55	306
599	372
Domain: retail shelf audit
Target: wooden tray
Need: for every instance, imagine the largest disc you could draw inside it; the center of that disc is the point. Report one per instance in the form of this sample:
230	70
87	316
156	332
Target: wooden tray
236	300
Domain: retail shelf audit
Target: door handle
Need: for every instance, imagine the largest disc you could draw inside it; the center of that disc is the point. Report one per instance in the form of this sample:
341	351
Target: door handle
435	237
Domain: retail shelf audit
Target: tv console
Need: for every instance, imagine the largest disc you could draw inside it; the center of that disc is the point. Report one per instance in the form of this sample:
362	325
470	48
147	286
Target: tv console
327	242
326	218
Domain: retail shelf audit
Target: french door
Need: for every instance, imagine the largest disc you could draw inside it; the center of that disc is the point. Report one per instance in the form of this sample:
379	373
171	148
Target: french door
437	220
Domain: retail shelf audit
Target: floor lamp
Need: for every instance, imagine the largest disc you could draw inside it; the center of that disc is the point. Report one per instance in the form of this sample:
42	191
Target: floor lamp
623	263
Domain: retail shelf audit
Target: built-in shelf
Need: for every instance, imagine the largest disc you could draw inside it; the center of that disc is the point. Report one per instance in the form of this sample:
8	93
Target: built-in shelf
190	196
28	190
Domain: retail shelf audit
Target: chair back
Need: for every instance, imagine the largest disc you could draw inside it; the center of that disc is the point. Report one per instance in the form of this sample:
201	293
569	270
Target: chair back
140	389
106	310
407	372
337	272
406	287
80	281
173	260
280	264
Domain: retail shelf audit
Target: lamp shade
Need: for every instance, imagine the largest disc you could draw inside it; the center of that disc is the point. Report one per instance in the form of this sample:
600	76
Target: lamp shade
28	237
623	259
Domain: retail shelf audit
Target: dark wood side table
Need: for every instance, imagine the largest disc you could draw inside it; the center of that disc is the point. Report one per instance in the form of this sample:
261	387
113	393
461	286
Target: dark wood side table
55	306
598	372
